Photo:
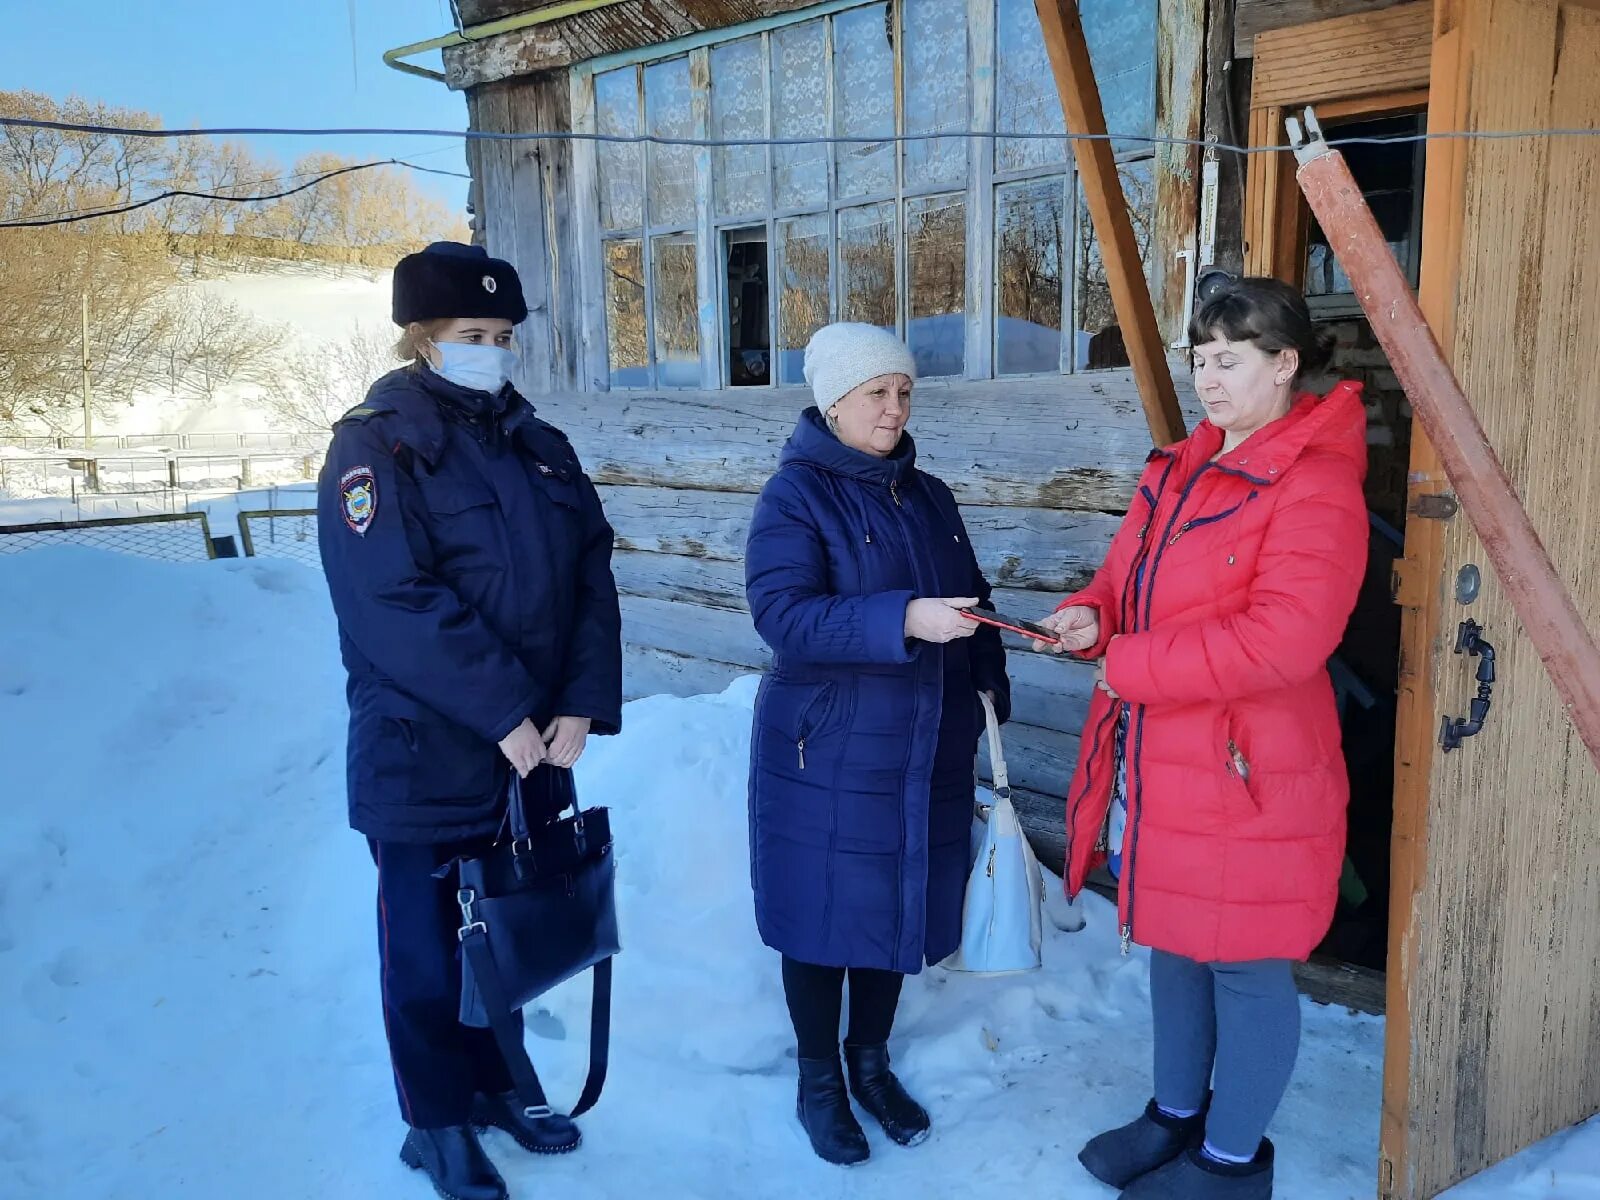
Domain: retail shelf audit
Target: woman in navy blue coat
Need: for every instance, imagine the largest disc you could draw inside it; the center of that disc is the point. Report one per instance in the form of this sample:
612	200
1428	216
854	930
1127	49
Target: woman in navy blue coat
866	727
469	564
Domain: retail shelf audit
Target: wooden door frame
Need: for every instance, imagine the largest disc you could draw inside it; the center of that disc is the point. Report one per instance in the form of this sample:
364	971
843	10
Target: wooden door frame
1369	66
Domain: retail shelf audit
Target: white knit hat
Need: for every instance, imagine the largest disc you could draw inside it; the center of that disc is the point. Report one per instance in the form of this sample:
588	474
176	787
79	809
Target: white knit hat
844	356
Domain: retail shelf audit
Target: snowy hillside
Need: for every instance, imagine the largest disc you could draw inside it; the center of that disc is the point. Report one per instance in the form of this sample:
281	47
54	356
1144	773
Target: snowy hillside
315	304
188	979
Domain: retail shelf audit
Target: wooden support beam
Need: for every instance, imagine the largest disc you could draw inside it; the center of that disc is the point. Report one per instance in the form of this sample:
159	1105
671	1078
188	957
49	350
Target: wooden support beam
1119	249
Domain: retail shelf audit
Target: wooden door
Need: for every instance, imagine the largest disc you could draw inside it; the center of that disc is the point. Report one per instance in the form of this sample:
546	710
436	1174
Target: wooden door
1494	951
1494	1002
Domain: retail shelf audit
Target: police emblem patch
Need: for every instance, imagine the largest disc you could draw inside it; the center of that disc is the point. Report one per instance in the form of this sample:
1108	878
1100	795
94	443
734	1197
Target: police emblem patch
489	285
359	489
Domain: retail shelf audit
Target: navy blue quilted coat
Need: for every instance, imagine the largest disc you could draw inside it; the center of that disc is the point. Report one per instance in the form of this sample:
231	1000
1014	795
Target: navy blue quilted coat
861	774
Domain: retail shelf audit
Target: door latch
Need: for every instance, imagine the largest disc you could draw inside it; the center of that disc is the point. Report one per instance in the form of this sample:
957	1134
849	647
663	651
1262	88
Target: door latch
1435	506
1470	641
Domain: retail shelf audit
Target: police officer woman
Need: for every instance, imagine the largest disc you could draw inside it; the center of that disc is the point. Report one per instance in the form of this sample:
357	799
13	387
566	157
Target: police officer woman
469	564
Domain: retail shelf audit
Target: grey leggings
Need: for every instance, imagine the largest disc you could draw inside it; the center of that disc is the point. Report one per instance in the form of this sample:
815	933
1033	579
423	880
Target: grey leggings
1233	1028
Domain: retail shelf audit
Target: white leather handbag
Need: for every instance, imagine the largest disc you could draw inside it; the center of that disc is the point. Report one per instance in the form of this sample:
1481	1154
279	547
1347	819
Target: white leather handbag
1002	920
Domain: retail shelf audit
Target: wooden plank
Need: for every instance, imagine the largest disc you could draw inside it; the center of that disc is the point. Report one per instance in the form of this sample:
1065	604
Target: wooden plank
548	105
1416	726
1119	249
1053	550
1077	441
593	363
534	104
1227	101
1180	94
1367	54
1256	17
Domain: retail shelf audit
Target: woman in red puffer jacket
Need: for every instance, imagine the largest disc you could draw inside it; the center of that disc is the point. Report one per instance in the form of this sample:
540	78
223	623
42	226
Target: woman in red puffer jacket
1213	737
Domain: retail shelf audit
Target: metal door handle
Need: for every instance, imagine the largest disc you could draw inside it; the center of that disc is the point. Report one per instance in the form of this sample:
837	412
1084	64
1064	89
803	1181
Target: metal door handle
1470	640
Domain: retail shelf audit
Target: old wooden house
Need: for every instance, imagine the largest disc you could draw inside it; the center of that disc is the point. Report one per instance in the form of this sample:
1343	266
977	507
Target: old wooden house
674	287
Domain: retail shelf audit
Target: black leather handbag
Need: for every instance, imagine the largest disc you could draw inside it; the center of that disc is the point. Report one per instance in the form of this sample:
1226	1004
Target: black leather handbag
537	910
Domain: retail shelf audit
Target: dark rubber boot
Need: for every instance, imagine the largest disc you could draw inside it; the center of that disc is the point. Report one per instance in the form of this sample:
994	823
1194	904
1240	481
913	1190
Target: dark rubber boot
1122	1155
878	1091
1194	1176
455	1162
555	1134
824	1110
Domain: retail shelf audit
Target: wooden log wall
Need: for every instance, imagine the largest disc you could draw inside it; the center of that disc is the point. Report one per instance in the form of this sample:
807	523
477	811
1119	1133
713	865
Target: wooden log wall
1042	469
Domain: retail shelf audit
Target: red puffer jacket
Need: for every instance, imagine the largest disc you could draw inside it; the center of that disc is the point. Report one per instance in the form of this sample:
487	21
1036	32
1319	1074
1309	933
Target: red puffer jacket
1224	593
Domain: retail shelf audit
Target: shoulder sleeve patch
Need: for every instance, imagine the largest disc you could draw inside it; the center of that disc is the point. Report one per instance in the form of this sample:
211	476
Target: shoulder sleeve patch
358	498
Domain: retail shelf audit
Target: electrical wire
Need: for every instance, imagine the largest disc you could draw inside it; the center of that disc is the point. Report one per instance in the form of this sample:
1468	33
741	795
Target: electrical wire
487	135
407	161
174	193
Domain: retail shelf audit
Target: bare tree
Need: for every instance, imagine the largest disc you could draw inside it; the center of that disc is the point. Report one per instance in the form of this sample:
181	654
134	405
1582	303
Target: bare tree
309	389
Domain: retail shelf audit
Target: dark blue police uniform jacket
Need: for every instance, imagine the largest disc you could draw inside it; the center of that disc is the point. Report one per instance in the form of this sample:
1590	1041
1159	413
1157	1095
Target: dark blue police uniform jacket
469	563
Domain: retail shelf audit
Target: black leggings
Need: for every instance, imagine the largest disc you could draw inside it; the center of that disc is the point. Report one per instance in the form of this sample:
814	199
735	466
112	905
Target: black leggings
816	998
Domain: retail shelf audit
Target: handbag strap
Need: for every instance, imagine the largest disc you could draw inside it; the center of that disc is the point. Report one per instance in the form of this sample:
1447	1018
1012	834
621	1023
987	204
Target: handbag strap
997	754
508	1034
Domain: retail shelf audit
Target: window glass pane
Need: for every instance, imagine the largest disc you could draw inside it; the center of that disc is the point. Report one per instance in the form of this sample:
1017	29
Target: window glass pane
937	96
863	91
802	290
936	259
1098	340
1122	45
625	333
1030	220
616	105
669	112
1026	100
799	109
866	265
739	110
677	310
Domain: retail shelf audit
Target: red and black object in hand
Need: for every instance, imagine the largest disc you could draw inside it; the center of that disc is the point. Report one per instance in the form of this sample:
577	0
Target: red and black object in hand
1012	624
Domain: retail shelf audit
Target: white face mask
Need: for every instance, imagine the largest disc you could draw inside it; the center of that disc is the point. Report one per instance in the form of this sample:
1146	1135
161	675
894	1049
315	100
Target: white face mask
476	368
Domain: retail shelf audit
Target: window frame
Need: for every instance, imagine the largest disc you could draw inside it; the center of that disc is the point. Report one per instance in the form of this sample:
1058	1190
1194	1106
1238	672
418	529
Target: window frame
978	192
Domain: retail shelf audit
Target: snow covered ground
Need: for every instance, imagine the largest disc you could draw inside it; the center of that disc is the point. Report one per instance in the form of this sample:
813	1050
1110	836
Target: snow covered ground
188	986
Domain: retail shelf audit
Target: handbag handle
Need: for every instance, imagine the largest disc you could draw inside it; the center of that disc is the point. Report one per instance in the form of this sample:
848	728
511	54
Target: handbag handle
516	821
997	754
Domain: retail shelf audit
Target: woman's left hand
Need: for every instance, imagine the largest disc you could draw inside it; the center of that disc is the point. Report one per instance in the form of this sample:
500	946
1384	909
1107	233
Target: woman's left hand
565	740
1100	675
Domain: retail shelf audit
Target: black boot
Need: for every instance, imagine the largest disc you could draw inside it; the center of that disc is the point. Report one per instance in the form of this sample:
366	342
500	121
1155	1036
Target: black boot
878	1091
1195	1176
824	1111
555	1134
1155	1139
454	1161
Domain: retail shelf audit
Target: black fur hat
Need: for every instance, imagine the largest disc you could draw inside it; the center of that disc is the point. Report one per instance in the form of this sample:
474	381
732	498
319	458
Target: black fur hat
449	281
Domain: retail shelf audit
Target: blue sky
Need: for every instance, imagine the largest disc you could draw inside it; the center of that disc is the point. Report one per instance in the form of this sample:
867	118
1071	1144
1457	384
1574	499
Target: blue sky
291	62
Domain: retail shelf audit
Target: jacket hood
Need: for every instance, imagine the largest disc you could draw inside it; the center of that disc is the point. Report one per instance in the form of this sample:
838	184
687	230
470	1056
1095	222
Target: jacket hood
1334	424
814	444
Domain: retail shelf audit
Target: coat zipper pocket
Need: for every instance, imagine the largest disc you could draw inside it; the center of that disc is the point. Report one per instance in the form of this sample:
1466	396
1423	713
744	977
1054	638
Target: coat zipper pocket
807	726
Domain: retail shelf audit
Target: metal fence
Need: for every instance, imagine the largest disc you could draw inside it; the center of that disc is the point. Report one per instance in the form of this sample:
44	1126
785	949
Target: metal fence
175	441
170	537
281	533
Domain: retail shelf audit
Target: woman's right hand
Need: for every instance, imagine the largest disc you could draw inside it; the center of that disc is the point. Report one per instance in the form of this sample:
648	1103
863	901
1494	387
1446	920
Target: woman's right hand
939	620
524	748
1078	627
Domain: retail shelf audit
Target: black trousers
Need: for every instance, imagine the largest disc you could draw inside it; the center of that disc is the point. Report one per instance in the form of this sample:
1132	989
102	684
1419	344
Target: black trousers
816	1002
439	1063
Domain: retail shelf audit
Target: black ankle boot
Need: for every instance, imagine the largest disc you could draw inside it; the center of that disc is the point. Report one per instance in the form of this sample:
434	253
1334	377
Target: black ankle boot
1155	1139
824	1111
1194	1175
555	1134
455	1162
878	1091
